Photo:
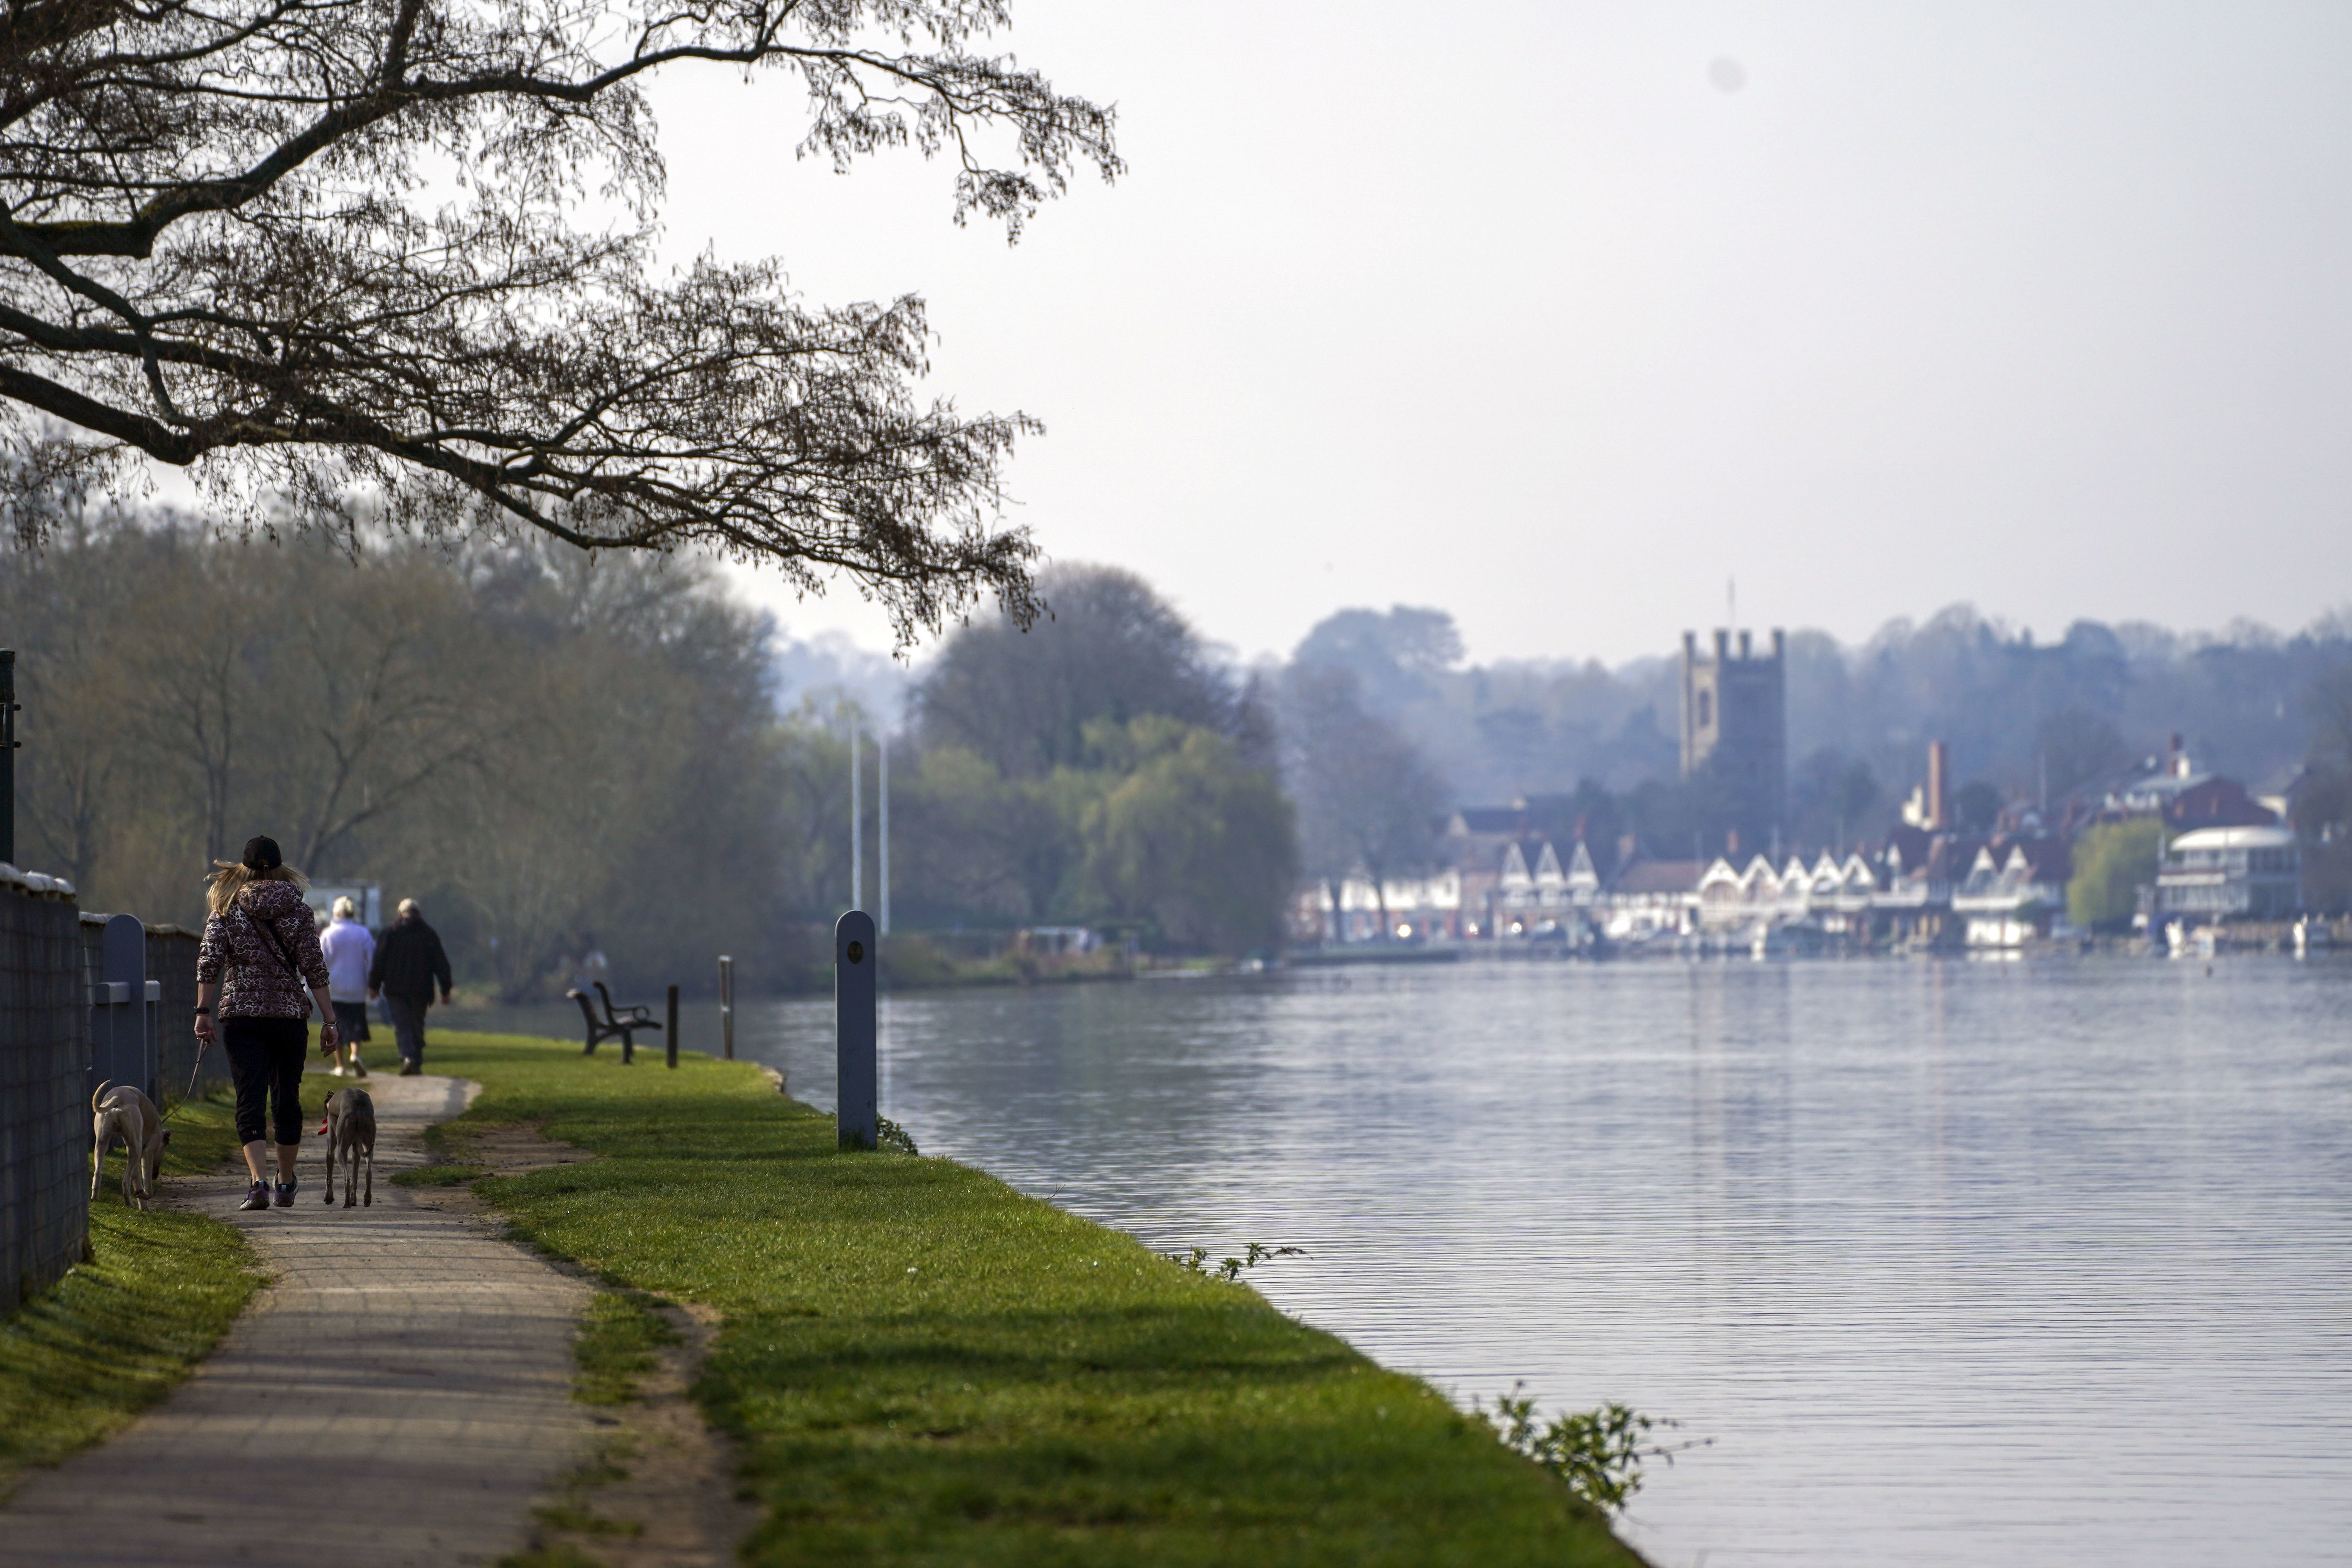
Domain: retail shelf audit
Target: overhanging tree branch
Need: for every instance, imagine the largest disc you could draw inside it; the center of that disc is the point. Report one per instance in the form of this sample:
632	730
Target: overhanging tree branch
220	246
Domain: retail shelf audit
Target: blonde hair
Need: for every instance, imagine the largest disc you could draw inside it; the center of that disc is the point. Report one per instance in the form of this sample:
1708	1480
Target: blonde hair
345	909
230	879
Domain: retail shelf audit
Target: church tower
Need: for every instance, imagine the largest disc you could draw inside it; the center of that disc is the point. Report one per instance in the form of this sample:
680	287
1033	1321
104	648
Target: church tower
1735	728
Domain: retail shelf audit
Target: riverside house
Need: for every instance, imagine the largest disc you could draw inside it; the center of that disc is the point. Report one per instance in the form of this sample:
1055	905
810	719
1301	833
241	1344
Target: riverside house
2218	873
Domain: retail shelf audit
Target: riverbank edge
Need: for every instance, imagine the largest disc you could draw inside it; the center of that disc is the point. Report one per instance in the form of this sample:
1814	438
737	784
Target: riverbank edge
920	1365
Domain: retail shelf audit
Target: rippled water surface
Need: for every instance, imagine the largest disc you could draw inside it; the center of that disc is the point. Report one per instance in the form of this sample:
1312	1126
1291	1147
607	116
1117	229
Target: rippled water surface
2045	1263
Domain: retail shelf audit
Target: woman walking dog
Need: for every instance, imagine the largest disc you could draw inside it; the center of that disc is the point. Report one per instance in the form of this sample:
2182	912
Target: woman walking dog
260	952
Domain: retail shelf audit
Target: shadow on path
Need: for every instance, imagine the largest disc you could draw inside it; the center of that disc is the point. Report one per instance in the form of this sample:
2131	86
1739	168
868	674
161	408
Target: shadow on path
400	1394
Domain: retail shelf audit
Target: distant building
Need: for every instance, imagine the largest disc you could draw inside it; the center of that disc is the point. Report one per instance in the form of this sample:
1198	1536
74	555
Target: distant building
1735	728
2014	898
2214	873
2174	788
1930	805
1651	899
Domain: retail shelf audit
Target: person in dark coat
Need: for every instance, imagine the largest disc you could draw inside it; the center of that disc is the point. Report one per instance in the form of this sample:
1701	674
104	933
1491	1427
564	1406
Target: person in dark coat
408	962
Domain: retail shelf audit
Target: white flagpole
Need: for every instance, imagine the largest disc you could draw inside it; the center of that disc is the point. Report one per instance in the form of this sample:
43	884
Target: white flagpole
856	825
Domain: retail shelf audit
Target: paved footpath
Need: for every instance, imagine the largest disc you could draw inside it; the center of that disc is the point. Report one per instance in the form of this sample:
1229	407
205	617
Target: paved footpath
401	1394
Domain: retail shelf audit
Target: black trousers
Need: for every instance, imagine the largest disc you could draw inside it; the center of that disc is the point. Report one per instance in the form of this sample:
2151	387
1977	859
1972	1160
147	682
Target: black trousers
408	1025
265	1060
351	1021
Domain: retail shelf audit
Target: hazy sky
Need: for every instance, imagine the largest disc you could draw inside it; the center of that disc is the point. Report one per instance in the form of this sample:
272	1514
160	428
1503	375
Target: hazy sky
1556	316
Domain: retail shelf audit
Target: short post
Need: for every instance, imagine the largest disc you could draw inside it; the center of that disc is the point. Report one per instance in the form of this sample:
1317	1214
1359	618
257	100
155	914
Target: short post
725	1008
671	1027
854	962
122	1046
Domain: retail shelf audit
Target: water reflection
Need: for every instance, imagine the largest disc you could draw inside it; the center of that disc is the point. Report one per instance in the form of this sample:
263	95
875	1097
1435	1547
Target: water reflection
2038	1263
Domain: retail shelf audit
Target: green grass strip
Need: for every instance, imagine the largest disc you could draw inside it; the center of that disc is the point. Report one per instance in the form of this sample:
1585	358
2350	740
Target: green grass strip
84	1358
437	1176
925	1367
619	1342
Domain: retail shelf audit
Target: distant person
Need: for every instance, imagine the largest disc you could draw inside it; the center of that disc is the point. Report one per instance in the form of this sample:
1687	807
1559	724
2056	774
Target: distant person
260	953
408	960
592	971
350	948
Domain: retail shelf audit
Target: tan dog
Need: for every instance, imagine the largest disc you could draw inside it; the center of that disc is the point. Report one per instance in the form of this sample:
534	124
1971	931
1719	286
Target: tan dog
351	1133
118	1110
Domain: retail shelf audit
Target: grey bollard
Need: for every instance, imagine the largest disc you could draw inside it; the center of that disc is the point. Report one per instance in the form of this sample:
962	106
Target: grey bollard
725	1008
854	963
122	1022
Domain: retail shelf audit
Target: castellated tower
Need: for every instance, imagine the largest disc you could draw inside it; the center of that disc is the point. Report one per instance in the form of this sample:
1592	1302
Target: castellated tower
1736	728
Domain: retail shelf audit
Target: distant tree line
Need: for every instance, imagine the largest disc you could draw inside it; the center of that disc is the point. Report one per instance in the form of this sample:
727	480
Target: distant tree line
1100	766
2026	721
543	750
551	750
2323	805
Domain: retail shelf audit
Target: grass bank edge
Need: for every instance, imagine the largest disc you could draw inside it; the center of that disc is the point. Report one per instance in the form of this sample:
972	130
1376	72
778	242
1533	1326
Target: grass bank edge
921	1366
82	1359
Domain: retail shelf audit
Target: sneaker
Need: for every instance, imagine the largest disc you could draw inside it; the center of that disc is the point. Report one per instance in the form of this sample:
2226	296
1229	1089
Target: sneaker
359	1069
410	1070
258	1198
286	1195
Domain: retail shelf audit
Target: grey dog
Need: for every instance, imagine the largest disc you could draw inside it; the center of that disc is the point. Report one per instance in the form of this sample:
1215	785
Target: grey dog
350	1135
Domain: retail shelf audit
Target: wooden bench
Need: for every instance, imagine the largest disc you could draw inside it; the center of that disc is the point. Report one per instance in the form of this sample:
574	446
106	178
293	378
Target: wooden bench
622	1021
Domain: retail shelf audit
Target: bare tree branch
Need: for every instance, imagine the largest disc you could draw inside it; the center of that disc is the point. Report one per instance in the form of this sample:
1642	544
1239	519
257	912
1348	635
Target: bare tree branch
229	240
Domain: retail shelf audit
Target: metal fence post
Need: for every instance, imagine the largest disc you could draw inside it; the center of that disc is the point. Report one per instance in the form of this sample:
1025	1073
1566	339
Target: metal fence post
123	1042
854	960
725	1008
670	1026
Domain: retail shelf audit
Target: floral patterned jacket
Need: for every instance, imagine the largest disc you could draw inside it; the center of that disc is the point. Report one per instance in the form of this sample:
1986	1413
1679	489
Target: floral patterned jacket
254	980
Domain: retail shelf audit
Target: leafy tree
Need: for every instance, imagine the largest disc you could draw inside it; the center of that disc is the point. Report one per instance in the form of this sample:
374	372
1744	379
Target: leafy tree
2112	862
1191	839
1829	798
2322	803
1165	828
1109	647
527	743
2076	746
317	249
973	842
1369	803
1395	654
1976	806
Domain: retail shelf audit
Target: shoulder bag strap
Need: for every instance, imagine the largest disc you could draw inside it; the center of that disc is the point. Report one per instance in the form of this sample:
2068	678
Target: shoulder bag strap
278	946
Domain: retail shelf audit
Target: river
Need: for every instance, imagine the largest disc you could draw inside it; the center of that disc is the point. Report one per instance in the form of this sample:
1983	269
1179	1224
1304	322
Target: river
2030	1262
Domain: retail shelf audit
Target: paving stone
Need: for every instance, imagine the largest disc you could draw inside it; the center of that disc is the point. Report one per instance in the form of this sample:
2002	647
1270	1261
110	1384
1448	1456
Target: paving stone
401	1394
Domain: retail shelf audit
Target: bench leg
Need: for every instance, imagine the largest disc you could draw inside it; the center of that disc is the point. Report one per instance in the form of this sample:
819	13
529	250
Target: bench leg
628	1048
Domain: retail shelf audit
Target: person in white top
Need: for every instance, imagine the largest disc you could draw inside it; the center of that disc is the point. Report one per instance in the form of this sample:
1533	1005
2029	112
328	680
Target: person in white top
350	948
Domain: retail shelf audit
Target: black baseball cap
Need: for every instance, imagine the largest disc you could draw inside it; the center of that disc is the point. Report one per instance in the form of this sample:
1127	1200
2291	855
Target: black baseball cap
261	854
